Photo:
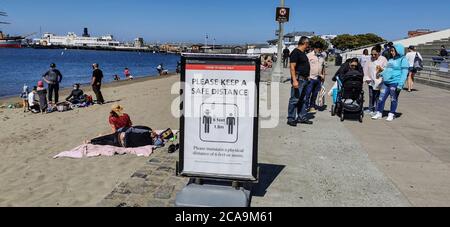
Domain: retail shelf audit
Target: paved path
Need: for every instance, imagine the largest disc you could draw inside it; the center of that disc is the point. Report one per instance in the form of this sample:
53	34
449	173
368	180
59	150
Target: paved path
319	165
414	150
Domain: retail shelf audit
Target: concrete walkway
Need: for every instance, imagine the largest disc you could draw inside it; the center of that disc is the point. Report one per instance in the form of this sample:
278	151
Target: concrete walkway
414	150
319	165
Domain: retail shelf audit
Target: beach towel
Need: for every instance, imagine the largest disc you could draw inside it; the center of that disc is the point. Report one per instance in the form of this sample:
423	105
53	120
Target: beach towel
89	150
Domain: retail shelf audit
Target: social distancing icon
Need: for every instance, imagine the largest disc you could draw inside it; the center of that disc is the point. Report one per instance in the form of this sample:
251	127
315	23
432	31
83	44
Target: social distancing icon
219	123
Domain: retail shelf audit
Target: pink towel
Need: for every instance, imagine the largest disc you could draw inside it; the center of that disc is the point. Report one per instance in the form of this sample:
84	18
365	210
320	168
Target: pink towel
89	150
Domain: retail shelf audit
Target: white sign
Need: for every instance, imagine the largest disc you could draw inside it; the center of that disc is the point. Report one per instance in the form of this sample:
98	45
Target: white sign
220	108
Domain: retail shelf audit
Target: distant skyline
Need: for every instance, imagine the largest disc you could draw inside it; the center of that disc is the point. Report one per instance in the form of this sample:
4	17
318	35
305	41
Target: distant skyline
231	21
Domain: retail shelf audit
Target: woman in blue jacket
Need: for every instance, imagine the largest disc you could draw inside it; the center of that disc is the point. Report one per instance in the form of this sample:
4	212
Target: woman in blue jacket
394	78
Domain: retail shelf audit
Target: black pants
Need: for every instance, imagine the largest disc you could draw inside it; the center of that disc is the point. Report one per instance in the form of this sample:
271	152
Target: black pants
138	136
53	88
98	93
35	108
109	140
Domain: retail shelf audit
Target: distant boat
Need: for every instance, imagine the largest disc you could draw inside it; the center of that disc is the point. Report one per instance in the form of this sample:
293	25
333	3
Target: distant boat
7	41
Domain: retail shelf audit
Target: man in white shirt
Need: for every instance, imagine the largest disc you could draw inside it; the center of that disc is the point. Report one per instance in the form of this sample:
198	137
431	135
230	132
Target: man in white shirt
34	105
411	57
316	77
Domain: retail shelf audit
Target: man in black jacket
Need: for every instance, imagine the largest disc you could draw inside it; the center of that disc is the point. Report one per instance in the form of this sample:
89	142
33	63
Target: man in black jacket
53	78
97	76
76	96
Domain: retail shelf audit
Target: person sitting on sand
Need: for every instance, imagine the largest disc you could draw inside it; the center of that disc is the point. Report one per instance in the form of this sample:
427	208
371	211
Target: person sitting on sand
116	78
77	95
130	137
42	93
161	70
118	119
34	105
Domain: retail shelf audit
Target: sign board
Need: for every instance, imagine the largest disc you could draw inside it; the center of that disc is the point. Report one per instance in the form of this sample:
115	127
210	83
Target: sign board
282	15
219	122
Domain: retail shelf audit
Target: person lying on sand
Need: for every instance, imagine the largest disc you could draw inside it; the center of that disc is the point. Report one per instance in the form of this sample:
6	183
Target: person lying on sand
132	137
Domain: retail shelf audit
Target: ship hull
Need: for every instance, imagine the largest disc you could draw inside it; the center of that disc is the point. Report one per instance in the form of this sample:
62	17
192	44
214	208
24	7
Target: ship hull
10	44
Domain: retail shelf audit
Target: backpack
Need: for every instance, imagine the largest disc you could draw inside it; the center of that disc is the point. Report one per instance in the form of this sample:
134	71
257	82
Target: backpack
418	63
52	76
89	99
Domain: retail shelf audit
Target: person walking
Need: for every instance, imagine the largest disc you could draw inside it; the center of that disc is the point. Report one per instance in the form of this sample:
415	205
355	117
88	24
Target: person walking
394	78
412	56
365	59
316	76
97	76
300	71
286	54
53	78
371	76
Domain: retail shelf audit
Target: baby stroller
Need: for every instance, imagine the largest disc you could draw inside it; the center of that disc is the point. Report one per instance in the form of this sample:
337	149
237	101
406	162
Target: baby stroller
348	98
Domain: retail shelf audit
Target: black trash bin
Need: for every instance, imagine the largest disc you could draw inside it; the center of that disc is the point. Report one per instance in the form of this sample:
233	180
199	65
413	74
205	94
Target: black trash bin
338	60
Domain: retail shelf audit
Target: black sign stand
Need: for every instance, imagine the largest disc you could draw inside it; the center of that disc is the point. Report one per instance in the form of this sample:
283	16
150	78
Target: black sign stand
203	189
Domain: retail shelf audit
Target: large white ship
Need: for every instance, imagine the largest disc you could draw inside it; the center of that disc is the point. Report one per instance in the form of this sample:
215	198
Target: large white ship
72	39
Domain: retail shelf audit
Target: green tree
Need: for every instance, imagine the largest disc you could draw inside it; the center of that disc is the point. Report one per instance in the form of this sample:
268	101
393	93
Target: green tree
325	44
347	41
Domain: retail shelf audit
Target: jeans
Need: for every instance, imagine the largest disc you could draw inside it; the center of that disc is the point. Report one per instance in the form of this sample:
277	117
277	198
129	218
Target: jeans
374	95
285	62
312	92
386	91
297	102
53	88
98	93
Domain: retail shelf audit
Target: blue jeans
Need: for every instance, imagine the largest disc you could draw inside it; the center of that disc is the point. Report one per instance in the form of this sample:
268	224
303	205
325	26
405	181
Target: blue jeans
374	96
312	92
386	91
297	102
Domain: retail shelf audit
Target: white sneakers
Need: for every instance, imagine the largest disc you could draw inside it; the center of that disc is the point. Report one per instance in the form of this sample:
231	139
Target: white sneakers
391	117
379	116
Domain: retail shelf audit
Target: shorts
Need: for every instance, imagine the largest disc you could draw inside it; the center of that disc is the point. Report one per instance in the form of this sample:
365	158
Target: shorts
412	70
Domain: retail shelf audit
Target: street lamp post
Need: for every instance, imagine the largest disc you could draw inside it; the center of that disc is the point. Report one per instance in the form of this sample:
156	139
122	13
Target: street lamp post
277	72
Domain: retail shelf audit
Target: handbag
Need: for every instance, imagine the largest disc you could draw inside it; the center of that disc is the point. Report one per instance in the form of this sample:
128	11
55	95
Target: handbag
418	63
167	134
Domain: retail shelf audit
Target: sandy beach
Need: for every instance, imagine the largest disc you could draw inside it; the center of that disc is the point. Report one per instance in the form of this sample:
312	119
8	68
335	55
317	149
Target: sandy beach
29	176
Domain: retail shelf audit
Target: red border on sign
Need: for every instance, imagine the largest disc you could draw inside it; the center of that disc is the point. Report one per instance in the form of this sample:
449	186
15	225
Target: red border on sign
222	67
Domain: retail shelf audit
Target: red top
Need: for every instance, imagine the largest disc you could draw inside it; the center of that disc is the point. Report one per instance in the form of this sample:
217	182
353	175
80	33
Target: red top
121	122
127	72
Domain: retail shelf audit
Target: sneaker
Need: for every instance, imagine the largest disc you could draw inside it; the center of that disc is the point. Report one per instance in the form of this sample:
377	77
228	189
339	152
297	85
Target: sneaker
292	123
312	111
391	117
377	116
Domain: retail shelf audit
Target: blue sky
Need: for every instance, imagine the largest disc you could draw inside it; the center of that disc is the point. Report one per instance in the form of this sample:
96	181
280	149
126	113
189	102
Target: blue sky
228	21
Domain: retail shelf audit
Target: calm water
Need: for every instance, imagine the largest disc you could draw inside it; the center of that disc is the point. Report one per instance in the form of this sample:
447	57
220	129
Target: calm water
26	66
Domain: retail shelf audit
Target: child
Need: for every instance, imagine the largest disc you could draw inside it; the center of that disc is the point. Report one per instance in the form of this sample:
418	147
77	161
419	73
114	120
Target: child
42	93
24	97
34	106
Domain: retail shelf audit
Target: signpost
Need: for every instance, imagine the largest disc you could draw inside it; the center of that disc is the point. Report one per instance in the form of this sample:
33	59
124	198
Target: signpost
283	14
219	122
